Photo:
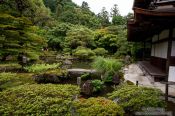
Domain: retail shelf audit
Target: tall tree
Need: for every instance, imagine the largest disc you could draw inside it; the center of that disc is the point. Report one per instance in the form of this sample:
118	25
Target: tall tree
115	11
104	17
117	19
17	33
84	5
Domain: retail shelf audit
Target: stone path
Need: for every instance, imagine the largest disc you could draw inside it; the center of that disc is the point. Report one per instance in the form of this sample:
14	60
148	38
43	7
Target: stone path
133	73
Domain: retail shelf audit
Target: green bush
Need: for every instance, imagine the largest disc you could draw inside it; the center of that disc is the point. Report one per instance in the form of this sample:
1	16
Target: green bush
97	107
133	98
107	67
85	76
84	53
97	85
42	100
5	77
100	51
38	68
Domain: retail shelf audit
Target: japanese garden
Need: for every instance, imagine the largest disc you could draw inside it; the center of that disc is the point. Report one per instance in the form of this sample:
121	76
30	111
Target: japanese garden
58	58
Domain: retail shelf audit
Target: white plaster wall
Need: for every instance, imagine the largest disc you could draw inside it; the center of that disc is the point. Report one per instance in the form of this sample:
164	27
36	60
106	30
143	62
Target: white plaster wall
155	38
173	49
171	76
160	50
152	50
164	34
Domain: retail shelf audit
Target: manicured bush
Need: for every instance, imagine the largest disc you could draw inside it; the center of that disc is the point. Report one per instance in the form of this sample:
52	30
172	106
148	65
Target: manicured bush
107	67
133	98
42	100
84	53
38	68
6	77
97	85
97	107
100	51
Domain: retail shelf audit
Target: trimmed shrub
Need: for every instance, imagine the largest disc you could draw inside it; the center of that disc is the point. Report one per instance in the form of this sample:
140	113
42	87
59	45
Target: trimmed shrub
97	85
97	107
100	51
84	53
36	99
6	77
38	68
133	98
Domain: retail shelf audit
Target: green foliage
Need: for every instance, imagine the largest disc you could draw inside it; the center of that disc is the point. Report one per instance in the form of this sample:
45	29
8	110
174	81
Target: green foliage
10	80
6	77
79	36
133	98
100	51
97	107
37	99
71	13
118	20
84	53
38	68
56	36
104	17
107	67
32	9
97	85
85	76
113	39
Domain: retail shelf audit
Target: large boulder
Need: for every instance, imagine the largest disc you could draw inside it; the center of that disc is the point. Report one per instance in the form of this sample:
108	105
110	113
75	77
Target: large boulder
46	78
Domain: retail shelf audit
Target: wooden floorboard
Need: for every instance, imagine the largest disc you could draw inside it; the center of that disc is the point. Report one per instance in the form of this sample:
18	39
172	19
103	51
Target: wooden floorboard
152	70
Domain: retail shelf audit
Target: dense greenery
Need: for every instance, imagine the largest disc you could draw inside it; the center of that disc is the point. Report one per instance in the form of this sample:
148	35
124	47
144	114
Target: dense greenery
97	106
42	29
133	98
37	100
98	85
107	67
38	68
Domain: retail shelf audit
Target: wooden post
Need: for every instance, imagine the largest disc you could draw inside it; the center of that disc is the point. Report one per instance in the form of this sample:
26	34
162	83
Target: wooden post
166	92
137	83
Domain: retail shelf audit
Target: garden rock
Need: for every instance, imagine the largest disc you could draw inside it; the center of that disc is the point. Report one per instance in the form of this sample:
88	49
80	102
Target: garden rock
46	78
87	88
116	79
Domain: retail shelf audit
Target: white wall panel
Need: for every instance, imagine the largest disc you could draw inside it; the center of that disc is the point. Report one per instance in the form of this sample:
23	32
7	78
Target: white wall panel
155	38
164	34
173	49
171	76
161	50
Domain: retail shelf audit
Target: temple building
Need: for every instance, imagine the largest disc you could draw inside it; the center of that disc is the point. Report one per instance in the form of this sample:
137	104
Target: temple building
153	26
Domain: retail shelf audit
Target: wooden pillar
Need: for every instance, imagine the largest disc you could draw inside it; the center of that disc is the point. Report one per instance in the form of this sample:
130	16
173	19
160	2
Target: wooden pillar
168	61
169	50
144	46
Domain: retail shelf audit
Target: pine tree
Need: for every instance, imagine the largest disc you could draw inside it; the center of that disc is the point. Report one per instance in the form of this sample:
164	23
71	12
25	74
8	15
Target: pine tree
17	33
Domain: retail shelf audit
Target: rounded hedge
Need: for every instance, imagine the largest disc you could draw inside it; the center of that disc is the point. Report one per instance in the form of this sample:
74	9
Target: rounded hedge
36	99
133	98
97	107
